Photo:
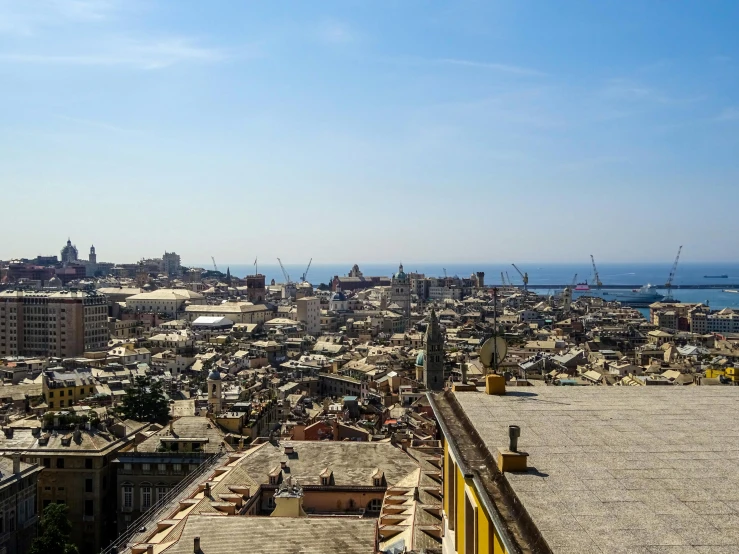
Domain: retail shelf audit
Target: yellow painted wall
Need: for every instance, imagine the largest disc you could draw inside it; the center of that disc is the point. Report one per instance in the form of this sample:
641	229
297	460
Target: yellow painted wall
465	487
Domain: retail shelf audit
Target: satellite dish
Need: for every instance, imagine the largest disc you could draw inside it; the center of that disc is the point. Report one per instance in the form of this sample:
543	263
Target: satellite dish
495	348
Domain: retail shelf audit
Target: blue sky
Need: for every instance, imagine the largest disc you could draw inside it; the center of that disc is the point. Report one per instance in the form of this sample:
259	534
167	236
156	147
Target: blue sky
370	131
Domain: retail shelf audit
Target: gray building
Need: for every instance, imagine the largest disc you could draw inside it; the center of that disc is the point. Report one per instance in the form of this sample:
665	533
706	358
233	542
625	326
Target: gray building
147	473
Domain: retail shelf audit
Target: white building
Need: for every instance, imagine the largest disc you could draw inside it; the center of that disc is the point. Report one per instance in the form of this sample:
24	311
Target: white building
164	301
309	314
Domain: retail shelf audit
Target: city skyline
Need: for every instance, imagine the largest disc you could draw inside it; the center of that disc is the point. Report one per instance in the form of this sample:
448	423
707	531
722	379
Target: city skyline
456	132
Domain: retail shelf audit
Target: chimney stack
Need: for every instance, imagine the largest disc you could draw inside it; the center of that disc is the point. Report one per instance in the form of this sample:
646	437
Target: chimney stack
196	545
16	464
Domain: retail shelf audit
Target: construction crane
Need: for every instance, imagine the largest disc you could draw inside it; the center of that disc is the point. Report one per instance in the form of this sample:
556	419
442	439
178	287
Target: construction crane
305	273
668	284
510	283
502	279
524	277
214	263
598	284
574	282
282	267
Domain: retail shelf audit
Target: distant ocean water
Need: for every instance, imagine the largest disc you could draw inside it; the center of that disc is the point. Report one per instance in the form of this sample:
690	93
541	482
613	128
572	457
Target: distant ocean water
540	275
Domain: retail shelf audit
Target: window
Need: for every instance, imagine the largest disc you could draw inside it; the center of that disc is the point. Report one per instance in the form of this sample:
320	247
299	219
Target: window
146	467
88	485
271	503
161	493
378	481
88	463
177	467
145	497
162	468
127	496
127	466
47	462
51	394
375	505
61	393
51	404
89	505
324	481
60	463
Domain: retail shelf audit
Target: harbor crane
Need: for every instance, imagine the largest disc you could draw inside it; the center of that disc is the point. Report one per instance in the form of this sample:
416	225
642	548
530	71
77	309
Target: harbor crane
502	279
287	276
214	263
597	283
524	278
574	282
510	283
668	284
305	273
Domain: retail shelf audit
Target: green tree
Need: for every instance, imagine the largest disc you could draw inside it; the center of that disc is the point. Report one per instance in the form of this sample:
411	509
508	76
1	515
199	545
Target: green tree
54	536
145	402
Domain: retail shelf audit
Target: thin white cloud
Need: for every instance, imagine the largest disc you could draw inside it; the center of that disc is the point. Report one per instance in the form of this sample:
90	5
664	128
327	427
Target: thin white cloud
729	114
505	68
28	18
142	54
97	124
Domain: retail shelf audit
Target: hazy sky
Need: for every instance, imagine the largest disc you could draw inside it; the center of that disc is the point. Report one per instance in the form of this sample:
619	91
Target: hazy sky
370	130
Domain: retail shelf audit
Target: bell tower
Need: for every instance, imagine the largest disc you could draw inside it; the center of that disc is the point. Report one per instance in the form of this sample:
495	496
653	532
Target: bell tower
433	363
214	392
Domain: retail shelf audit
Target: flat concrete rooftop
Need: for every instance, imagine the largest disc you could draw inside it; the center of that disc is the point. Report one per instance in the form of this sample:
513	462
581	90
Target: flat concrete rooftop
638	470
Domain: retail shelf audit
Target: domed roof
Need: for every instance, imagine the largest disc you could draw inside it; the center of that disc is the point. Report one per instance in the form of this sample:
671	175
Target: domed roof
400	275
338	297
214	375
420	358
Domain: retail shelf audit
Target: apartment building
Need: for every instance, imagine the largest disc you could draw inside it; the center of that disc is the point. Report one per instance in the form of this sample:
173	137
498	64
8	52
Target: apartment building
77	471
18	504
147	473
309	314
59	324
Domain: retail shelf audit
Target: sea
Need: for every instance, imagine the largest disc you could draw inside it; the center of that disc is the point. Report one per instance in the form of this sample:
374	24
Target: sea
543	277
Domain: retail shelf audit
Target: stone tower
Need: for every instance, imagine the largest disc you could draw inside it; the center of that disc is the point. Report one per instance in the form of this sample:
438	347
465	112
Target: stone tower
400	291
433	363
93	259
214	391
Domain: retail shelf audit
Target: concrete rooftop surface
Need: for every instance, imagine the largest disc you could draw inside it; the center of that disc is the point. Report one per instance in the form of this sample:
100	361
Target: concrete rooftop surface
638	470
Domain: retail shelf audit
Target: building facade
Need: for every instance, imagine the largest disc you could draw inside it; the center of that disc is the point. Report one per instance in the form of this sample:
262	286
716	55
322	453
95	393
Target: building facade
147	473
171	264
60	324
77	471
433	363
400	291
309	314
255	288
18	504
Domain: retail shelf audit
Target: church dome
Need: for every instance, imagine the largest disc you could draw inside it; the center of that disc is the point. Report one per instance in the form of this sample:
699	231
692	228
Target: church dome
420	359
338	297
214	375
400	275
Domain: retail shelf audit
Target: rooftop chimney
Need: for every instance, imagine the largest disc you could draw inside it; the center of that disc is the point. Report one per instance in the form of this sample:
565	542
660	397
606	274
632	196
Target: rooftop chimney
514	431
16	464
196	545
